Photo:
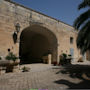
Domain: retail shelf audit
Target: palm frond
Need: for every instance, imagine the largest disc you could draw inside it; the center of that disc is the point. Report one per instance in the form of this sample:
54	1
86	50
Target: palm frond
84	4
81	19
83	39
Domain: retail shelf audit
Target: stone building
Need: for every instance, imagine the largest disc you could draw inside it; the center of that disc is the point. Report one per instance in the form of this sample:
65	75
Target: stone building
36	34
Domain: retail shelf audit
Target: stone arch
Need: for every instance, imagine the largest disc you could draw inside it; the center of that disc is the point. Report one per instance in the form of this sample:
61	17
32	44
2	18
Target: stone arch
36	41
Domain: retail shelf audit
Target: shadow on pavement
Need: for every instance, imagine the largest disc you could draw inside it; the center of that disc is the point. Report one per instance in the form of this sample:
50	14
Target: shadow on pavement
82	85
81	72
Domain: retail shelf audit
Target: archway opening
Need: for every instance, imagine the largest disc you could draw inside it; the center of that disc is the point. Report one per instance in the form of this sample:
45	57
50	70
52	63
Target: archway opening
36	42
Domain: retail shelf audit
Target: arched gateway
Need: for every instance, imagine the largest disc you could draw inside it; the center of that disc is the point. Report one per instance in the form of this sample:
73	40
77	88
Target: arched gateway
40	34
35	42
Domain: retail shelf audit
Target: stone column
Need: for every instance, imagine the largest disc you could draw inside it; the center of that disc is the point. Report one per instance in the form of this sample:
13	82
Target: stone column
49	58
58	54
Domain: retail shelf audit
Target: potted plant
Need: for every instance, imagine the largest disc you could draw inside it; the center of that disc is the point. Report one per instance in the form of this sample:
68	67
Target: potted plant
63	59
13	60
69	58
13	57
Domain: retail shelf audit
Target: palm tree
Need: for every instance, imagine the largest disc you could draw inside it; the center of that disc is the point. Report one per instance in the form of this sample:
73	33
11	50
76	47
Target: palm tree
82	23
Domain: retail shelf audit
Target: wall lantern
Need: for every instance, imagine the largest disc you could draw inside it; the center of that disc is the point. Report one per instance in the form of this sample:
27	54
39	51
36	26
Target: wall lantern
16	33
17	26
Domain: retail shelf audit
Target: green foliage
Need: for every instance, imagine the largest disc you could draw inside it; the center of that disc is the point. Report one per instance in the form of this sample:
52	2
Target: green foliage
83	24
64	55
84	4
25	69
11	56
65	59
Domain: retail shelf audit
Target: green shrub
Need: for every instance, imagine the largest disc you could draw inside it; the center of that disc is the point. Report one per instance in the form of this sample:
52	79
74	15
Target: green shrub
63	59
11	56
64	55
25	69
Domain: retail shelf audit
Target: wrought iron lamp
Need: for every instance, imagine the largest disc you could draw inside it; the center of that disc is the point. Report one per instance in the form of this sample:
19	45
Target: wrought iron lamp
16	33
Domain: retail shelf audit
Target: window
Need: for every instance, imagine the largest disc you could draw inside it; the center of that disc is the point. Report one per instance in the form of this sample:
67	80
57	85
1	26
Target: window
71	40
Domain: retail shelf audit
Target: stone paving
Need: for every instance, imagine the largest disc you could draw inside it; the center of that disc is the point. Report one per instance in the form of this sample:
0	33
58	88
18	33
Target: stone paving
41	76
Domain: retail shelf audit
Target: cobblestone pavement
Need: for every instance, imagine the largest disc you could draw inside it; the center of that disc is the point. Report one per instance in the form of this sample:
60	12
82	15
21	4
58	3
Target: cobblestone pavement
40	77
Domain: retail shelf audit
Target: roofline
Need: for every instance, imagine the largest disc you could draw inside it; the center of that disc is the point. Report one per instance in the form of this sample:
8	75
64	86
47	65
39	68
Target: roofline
38	12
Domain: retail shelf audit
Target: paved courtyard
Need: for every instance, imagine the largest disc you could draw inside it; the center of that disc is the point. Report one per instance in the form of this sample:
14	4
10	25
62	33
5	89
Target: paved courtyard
42	76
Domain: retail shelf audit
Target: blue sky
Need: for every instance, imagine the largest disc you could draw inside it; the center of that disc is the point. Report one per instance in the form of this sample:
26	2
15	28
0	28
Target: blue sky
63	10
